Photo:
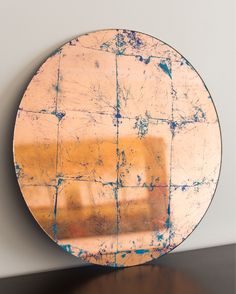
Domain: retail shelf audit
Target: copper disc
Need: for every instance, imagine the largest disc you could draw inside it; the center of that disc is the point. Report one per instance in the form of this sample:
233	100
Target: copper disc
117	147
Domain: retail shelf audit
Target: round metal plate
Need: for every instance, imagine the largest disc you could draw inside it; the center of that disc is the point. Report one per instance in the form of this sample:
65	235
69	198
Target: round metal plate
117	147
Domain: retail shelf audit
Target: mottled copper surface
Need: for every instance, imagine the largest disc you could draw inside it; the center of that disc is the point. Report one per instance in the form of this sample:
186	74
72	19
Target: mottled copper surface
117	147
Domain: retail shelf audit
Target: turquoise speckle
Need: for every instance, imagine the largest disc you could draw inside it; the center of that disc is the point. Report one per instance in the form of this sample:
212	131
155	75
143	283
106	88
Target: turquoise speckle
166	69
141	251
67	248
159	237
168	223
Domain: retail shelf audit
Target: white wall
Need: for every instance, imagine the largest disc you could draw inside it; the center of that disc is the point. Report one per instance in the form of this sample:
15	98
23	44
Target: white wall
201	30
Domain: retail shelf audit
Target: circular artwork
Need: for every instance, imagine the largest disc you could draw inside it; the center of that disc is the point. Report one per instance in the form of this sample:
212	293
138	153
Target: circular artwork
117	147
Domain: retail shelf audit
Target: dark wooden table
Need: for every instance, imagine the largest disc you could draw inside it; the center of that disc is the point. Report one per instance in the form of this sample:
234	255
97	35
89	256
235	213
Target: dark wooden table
210	270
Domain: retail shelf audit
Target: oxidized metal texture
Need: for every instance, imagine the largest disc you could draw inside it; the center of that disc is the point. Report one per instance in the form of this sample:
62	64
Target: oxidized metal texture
117	147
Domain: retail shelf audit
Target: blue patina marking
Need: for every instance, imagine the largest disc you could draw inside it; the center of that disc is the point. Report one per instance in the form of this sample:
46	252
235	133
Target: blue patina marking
54	229
67	248
159	237
134	40
141	125
59	115
167	69
144	60
141	251
199	115
168	223
120	40
59	181
81	251
18	170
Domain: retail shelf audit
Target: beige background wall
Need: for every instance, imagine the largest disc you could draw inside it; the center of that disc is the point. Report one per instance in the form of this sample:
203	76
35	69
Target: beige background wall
203	31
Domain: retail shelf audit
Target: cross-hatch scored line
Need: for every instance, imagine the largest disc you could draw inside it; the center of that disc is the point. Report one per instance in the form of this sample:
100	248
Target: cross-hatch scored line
58	123
152	120
123	186
176	60
117	155
170	171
